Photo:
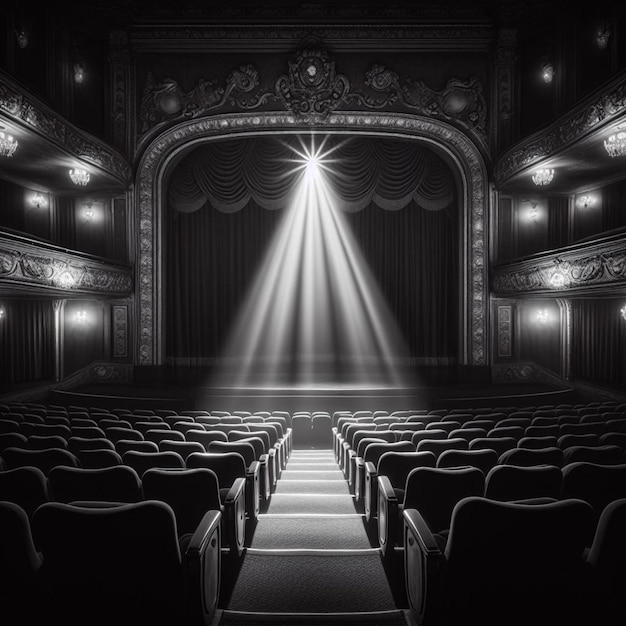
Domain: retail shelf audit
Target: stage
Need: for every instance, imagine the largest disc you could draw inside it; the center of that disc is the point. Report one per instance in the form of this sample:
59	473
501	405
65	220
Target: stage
429	388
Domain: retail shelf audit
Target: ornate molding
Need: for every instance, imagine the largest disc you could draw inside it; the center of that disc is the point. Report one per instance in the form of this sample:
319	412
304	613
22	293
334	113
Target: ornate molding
27	111
525	373
44	267
311	90
579	271
153	165
595	112
505	330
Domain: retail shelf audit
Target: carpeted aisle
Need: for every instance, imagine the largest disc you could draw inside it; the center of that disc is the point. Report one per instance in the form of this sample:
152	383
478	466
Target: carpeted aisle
310	560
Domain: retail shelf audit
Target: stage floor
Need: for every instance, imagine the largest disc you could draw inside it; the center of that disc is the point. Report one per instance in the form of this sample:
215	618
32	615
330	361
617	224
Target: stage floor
431	389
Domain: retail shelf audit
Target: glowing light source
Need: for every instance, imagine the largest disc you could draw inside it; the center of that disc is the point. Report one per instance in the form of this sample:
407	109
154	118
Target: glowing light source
547	72
615	145
543	176
622	312
38	200
80	318
79	72
2	313
542	317
8	145
602	38
315	317
79	177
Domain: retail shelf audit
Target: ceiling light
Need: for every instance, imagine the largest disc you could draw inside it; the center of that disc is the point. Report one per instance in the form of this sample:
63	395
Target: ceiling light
79	177
543	176
616	144
8	144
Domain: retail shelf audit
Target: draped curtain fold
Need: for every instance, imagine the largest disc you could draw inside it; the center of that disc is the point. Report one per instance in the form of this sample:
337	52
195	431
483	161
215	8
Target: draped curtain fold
392	173
27	342
598	342
224	199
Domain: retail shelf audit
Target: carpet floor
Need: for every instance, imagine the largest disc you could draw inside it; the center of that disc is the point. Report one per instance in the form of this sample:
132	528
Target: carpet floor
310	559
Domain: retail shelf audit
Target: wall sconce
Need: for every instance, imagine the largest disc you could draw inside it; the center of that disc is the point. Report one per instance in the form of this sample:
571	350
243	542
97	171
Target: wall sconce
2	314
38	200
542	317
547	72
585	201
89	211
80	318
622	312
79	72
543	176
533	211
602	38
79	177
21	36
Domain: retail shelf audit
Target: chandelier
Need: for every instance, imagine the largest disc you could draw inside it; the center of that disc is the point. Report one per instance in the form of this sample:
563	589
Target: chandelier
79	177
543	176
8	144
616	144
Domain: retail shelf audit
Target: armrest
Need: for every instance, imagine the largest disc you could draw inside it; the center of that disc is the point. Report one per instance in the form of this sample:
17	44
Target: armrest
203	569
236	491
371	490
235	514
418	528
370	468
253	468
424	566
386	490
388	517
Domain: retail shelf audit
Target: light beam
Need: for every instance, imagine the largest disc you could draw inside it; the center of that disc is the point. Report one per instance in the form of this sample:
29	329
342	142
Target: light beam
315	317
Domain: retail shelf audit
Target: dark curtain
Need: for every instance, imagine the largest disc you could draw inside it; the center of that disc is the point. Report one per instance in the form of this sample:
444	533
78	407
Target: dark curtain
598	342
224	206
558	222
614	206
66	223
27	342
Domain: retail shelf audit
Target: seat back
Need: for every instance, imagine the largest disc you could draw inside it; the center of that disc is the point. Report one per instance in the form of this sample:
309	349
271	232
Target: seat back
26	486
184	448
99	458
528	456
516	482
228	466
190	493
434	492
602	454
437	446
607	560
141	461
499	444
118	483
244	448
397	465
206	437
375	450
108	563
19	566
44	459
484	460
515	563
594	483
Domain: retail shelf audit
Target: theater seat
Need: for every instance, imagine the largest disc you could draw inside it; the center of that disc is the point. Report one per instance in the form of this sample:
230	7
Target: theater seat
516	482
393	471
229	467
503	563
141	461
607	565
123	564
20	563
27	486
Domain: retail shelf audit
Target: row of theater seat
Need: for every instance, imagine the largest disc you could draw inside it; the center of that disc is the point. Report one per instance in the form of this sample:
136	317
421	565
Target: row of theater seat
489	531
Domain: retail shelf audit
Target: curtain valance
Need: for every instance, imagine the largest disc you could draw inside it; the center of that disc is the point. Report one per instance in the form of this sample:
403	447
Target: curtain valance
228	174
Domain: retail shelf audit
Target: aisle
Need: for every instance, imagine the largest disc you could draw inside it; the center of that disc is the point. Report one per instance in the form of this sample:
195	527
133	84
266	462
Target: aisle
310	560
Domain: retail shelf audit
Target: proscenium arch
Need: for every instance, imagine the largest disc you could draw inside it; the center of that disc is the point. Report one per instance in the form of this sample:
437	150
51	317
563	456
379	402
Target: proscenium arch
165	150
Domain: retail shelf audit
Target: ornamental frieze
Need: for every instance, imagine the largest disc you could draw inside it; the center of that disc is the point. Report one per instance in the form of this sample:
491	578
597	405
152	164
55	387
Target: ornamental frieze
595	112
576	271
311	90
35	115
37	267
